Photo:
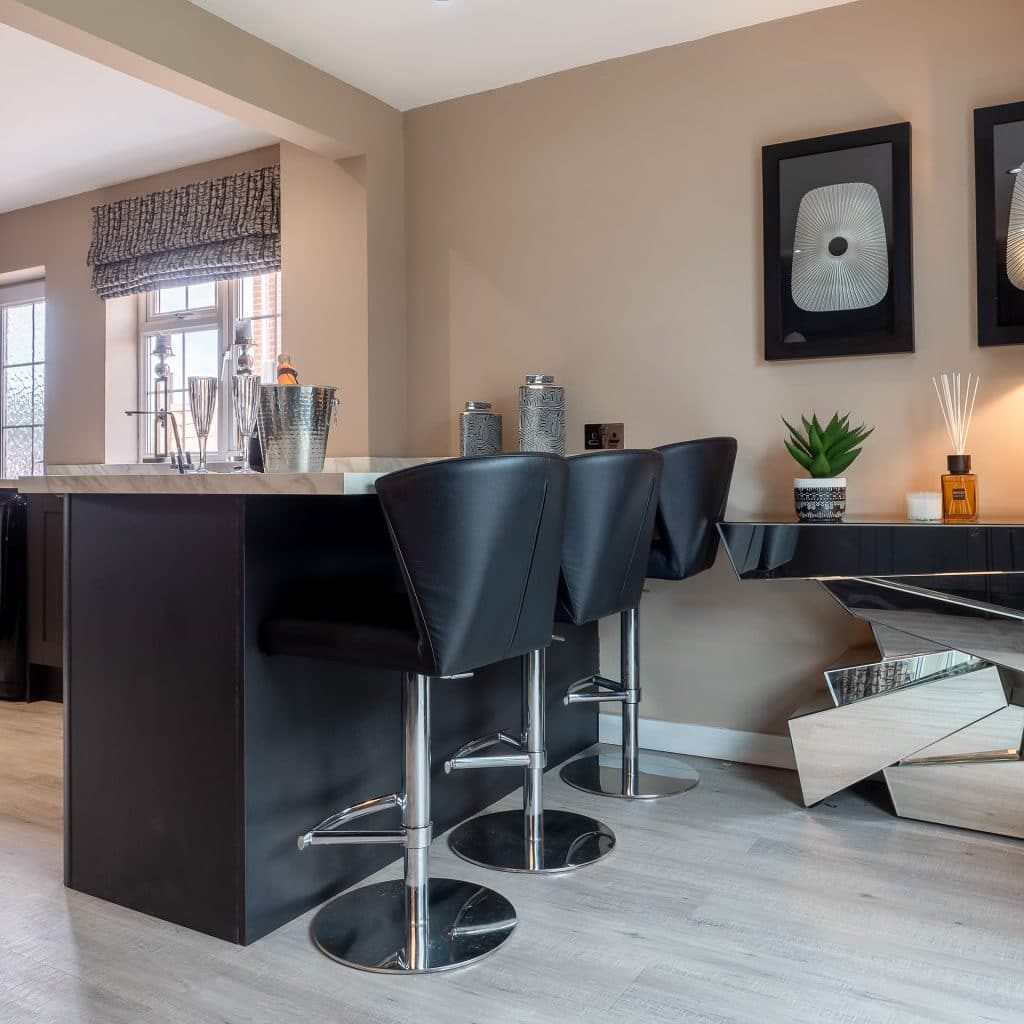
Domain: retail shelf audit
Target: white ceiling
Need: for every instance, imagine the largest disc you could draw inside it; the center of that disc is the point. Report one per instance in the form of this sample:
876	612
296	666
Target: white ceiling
412	52
70	125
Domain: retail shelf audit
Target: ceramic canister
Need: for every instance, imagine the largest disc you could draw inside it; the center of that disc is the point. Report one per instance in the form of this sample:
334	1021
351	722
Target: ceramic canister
541	415
479	430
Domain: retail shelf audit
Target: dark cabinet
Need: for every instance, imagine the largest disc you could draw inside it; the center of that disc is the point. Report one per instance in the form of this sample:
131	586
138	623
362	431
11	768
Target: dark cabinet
45	596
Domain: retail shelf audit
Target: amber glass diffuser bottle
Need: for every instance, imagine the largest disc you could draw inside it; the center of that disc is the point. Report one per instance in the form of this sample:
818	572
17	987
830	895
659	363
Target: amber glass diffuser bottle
959	484
959	491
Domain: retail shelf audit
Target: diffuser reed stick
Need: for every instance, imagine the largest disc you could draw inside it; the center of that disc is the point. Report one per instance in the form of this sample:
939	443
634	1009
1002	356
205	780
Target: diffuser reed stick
956	401
959	484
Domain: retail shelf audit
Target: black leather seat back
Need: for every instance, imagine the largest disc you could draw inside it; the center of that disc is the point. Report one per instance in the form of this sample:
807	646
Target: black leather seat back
479	541
694	491
609	520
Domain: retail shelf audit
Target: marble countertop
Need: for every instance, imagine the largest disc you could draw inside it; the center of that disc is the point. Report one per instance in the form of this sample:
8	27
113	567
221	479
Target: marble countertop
354	475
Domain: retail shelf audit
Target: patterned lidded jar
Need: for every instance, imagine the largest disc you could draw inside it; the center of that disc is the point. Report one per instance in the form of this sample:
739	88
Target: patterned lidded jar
541	415
479	430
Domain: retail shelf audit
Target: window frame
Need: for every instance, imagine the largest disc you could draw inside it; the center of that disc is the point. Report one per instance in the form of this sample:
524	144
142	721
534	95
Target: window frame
24	293
221	317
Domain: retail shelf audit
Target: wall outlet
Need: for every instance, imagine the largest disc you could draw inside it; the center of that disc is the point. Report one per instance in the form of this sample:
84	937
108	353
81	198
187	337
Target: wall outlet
603	435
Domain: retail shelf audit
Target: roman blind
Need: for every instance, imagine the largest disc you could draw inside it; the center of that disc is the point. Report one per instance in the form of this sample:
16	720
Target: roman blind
206	231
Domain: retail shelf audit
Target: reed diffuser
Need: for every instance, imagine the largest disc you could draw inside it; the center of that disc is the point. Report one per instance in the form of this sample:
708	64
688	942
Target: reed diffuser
959	484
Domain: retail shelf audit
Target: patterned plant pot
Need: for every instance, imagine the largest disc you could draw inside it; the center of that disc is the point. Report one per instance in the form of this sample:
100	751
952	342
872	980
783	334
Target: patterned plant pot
820	501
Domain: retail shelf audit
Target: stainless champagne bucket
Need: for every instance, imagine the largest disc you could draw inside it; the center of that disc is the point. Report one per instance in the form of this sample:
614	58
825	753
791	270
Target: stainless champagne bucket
294	421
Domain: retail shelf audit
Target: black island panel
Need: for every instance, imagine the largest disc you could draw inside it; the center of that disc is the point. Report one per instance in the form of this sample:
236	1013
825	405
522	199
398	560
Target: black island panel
153	684
195	761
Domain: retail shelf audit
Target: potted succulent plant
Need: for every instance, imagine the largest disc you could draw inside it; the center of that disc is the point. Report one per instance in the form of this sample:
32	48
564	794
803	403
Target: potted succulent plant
824	452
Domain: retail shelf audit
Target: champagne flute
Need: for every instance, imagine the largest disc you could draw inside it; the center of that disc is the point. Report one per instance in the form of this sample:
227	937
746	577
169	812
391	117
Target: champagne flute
202	396
245	394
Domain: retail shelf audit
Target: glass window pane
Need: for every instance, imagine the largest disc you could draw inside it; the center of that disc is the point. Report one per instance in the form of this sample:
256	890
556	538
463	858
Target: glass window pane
267	341
260	295
39	393
40	331
202	354
19	334
172	300
17	452
37	450
201	296
195	353
17	395
22	387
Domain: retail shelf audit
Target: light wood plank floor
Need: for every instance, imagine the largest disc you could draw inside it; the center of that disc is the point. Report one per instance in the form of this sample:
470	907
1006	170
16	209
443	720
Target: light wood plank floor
731	904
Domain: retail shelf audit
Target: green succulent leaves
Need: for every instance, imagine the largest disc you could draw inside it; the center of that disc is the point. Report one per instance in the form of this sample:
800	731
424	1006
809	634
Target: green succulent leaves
826	451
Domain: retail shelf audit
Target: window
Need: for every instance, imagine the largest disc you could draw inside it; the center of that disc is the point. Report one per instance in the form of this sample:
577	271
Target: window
23	388
199	321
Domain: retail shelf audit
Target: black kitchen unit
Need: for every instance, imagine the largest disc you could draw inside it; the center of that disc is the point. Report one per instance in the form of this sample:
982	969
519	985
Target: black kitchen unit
193	760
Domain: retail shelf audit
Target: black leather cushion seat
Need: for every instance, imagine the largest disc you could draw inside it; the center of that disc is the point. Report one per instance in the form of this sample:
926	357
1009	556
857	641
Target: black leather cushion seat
695	481
609	518
371	629
477	543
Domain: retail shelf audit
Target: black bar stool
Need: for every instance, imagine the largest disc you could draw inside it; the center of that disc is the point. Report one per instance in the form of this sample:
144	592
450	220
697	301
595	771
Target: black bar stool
609	519
694	490
478	542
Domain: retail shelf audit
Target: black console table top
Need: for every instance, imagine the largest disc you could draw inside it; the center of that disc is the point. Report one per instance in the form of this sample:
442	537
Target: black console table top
767	549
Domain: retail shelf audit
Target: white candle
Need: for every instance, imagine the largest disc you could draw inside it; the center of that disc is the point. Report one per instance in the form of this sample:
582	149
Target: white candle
924	506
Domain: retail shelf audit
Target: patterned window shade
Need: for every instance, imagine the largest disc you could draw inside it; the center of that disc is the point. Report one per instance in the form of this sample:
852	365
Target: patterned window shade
228	227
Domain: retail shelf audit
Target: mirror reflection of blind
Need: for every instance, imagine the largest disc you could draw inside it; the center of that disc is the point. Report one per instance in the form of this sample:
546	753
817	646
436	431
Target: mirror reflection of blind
207	231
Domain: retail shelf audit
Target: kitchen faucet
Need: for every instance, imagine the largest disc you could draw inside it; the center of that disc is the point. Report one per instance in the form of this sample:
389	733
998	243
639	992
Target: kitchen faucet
162	415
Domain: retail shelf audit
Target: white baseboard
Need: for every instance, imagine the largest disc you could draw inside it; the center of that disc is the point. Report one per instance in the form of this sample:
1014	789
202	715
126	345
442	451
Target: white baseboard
705	741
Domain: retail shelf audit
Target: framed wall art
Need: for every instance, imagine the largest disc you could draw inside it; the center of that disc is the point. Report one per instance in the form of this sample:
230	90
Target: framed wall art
837	245
999	218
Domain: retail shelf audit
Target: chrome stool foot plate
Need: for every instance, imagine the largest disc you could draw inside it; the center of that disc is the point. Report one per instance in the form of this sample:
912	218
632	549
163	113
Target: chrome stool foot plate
659	775
499	841
367	928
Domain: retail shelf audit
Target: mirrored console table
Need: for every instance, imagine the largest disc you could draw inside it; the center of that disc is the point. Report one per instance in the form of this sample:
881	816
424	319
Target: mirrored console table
933	704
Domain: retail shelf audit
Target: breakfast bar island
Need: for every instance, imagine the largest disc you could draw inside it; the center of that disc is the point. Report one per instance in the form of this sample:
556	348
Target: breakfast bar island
193	761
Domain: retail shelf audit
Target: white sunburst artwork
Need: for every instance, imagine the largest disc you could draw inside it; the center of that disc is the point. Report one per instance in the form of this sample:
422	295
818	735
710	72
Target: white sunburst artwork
1015	233
840	254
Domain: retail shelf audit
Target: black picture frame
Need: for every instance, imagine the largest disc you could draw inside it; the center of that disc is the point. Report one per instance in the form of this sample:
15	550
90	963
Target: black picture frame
791	332
1000	303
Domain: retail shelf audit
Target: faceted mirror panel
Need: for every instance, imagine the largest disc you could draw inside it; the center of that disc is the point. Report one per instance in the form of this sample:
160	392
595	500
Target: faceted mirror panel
857	682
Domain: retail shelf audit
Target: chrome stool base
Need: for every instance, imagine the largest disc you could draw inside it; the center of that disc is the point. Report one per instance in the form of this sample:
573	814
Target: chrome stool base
568	841
368	928
657	775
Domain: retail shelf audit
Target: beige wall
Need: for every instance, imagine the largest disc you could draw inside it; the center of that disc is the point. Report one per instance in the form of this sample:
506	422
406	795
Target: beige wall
88	381
324	285
604	225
